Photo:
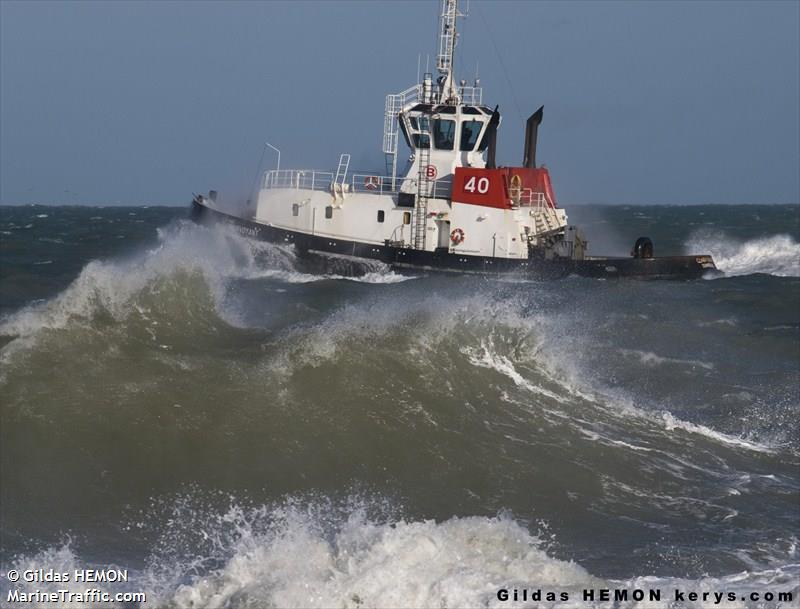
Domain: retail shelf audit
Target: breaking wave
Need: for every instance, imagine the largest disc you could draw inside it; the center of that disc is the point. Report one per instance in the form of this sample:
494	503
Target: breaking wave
776	255
173	294
315	553
199	262
471	400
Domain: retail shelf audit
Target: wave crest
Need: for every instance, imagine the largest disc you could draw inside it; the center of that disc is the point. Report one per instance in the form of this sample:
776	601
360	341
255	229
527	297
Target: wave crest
774	255
319	554
190	266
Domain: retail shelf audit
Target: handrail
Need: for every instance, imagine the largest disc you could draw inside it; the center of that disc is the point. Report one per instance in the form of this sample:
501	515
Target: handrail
529	198
373	184
368	183
394	104
540	202
471	96
307	179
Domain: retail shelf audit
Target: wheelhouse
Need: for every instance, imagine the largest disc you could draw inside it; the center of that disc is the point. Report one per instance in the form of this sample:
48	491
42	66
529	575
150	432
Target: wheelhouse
459	131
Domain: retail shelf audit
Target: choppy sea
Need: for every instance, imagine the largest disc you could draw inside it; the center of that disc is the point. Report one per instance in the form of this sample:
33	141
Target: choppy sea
195	407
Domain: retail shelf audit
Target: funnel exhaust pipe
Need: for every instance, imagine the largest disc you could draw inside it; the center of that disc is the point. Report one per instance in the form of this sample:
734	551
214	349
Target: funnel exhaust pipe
531	133
491	138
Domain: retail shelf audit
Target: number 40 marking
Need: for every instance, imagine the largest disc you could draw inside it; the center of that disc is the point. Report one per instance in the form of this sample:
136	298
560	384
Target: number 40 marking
479	185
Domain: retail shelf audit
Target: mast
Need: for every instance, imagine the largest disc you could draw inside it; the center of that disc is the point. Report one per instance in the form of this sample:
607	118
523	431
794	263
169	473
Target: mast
425	92
447	48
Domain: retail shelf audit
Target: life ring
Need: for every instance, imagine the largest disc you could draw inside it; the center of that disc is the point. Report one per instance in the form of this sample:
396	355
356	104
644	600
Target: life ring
457	236
372	182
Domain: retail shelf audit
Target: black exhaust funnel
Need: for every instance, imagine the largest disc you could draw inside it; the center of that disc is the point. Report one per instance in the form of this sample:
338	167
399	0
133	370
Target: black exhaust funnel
491	140
531	133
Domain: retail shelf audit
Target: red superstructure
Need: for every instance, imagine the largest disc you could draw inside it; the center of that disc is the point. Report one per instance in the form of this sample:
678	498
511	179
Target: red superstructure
502	188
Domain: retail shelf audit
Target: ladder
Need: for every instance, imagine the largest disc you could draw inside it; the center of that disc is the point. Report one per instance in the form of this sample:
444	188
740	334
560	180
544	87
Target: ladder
341	170
447	36
423	193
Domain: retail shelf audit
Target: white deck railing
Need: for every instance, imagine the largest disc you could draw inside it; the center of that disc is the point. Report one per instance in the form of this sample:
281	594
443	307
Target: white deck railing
305	179
309	179
529	198
545	211
394	104
472	96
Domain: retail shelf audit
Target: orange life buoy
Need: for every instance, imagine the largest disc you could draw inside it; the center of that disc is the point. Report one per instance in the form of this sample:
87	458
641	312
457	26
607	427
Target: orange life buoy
372	182
457	236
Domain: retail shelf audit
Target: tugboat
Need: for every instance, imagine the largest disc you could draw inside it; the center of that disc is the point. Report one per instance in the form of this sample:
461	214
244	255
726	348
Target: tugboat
452	208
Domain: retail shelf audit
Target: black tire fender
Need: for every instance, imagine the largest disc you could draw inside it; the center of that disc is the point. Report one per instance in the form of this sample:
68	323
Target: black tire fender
643	248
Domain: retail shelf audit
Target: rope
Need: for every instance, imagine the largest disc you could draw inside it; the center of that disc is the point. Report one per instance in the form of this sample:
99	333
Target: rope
502	64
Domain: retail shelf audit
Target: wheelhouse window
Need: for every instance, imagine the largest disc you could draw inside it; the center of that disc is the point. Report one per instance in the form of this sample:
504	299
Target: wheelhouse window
470	130
417	130
444	133
421	140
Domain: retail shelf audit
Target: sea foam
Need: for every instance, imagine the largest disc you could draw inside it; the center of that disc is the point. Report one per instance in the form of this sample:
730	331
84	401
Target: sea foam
774	255
217	254
291	556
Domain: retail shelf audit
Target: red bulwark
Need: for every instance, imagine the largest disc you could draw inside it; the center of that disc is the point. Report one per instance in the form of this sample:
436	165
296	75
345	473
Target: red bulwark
537	179
490	187
487	187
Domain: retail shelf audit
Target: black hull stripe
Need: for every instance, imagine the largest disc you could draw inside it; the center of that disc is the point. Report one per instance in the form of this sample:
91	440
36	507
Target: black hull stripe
405	259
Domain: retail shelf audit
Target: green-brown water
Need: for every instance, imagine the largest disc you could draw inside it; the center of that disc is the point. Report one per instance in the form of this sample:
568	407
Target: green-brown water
191	405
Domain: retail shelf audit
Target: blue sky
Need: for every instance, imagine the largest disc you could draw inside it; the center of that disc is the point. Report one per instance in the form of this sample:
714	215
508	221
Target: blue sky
645	102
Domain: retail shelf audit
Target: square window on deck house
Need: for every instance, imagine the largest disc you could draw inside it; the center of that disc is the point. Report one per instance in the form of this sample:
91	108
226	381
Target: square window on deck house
444	133
469	134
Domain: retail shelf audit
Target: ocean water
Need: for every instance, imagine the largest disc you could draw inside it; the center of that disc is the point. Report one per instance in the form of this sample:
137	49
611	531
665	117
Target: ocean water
238	431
